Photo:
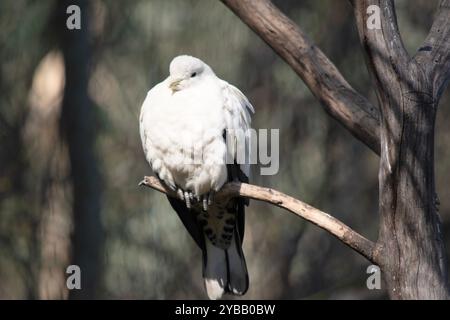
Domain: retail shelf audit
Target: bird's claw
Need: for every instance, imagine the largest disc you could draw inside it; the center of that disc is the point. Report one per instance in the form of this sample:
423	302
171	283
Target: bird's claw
207	200
180	194
187	199
205	203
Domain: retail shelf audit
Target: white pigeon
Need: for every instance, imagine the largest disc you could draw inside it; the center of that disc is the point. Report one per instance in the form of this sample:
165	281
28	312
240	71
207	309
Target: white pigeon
191	124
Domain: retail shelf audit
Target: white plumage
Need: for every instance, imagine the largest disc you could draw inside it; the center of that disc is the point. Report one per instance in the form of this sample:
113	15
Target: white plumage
182	124
192	120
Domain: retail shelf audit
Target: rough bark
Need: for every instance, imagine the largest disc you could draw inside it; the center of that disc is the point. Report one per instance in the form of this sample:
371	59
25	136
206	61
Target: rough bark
409	232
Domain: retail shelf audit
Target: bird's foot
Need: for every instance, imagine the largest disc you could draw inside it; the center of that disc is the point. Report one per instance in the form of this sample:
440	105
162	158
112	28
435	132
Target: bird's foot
189	198
180	194
206	200
185	196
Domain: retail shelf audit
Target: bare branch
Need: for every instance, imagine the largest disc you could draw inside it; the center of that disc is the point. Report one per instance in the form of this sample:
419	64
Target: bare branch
435	51
321	219
387	56
339	99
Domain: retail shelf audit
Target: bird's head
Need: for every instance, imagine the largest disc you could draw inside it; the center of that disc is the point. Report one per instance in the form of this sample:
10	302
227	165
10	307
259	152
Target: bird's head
186	71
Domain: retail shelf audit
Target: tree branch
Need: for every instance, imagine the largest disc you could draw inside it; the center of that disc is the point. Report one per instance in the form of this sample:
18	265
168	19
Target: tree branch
321	219
435	51
386	39
387	57
339	99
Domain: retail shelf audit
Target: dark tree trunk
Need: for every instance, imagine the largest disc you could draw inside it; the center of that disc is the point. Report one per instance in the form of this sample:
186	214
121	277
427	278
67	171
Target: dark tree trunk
79	129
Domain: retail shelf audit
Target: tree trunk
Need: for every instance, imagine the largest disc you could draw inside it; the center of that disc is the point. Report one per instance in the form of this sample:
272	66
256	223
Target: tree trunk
413	259
79	128
411	251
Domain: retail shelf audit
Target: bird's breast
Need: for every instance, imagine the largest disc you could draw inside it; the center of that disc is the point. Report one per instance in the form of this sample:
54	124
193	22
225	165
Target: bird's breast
184	138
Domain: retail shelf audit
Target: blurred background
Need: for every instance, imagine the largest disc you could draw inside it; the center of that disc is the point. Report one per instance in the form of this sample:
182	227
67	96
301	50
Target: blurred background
71	156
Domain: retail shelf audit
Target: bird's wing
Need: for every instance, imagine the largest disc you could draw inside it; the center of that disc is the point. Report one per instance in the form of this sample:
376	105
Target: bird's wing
238	111
229	264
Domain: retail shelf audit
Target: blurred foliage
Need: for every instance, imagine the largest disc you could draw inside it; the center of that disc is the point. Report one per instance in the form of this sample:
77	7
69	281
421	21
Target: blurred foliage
147	252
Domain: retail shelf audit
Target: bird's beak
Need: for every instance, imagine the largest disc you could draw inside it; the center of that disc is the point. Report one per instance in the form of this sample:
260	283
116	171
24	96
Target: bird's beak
174	85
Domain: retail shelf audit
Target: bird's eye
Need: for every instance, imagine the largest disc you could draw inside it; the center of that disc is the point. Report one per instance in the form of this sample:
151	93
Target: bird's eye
193	74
